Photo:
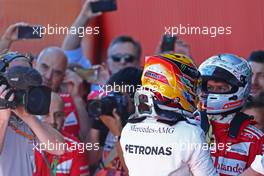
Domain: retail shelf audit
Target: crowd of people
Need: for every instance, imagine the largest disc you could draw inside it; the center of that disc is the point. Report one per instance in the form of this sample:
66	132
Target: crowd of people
169	118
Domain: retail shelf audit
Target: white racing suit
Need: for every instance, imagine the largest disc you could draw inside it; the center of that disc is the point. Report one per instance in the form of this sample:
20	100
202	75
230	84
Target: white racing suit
152	148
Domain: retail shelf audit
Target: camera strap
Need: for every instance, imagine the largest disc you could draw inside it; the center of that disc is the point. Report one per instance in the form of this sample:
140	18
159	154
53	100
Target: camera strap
22	133
105	162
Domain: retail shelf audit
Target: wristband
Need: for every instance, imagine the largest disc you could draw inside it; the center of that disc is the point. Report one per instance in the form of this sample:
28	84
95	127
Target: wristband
258	164
116	138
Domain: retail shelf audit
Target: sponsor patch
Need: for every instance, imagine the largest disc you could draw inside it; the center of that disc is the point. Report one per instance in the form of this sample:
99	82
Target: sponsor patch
64	167
241	148
160	130
148	150
230	166
70	120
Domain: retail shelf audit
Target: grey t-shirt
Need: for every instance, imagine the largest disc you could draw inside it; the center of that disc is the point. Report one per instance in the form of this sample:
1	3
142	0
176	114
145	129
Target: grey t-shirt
17	157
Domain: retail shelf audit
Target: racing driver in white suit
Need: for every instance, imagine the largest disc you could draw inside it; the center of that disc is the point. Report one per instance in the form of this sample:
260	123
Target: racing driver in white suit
158	139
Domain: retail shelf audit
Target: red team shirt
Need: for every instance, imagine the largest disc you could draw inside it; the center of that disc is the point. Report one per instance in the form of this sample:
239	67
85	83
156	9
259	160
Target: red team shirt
71	163
72	121
240	151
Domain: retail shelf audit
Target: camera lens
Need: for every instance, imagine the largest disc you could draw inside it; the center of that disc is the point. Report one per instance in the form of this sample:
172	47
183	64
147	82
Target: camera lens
38	100
94	108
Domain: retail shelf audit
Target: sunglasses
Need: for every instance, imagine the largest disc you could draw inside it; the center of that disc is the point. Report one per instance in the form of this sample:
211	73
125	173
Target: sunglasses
127	58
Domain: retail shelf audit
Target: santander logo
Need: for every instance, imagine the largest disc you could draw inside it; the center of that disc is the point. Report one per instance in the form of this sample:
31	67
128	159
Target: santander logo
231	166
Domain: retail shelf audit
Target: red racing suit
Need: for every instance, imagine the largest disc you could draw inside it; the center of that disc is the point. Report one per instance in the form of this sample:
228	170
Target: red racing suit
240	151
71	163
72	121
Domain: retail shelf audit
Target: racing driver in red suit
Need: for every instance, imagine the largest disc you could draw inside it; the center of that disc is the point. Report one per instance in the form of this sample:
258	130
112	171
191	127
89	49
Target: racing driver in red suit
233	138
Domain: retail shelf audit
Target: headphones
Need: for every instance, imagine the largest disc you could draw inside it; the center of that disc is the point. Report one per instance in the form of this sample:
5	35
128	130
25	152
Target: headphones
8	57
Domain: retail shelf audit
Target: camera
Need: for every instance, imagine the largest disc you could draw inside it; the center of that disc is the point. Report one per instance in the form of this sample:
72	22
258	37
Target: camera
106	104
25	84
104	6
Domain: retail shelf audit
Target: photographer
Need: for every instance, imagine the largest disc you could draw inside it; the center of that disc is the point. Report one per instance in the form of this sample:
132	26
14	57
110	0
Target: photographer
20	130
119	88
52	64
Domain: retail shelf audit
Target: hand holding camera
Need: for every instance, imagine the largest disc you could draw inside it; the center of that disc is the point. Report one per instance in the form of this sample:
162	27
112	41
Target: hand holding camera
94	8
106	105
97	74
113	123
109	105
6	98
16	32
21	31
87	10
11	33
22	87
73	83
5	113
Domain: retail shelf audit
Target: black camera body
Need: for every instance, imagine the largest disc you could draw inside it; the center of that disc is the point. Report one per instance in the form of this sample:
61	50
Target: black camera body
105	106
25	84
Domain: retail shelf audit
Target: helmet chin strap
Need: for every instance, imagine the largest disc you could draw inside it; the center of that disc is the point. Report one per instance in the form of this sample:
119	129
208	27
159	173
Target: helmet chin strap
222	118
224	114
226	117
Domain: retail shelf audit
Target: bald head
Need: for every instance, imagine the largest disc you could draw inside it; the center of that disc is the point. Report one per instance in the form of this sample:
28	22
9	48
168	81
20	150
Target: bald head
52	64
53	52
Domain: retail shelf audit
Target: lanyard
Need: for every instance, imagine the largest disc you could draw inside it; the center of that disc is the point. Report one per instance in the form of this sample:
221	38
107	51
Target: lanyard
22	133
53	166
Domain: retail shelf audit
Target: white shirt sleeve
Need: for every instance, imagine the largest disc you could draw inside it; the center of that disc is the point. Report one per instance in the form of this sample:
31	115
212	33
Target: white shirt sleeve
258	164
201	163
77	56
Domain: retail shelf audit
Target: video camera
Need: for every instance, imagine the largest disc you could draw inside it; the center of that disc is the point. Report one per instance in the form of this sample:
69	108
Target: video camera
25	83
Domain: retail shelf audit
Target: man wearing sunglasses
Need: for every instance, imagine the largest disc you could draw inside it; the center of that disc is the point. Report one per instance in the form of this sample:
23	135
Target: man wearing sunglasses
123	51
